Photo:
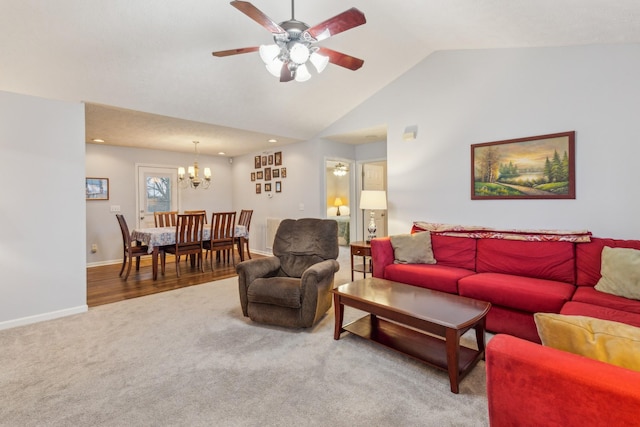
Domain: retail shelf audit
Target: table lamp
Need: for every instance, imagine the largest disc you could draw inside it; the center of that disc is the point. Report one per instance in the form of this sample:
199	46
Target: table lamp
338	203
372	200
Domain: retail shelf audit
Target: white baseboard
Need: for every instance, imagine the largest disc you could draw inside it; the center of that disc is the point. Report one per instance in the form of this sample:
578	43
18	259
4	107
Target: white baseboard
42	317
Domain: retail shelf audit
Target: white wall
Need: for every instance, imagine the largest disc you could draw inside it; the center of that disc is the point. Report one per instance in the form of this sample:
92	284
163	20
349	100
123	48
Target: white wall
42	215
119	165
459	98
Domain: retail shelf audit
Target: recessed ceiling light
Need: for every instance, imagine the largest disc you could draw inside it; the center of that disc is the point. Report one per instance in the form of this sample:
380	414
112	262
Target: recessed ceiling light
273	140
222	153
97	140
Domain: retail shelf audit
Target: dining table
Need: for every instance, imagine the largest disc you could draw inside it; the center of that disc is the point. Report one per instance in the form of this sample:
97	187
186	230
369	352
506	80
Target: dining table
158	237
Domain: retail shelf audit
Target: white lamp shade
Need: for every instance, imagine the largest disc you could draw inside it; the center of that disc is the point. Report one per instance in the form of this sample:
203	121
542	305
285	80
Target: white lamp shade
207	172
338	202
299	53
373	199
269	52
192	171
302	74
181	172
319	61
275	67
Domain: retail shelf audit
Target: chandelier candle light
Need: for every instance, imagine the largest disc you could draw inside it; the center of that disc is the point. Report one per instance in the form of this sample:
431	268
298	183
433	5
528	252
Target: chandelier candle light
372	200
194	179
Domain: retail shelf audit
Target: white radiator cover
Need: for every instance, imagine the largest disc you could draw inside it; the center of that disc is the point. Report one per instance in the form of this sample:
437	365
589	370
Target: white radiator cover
271	228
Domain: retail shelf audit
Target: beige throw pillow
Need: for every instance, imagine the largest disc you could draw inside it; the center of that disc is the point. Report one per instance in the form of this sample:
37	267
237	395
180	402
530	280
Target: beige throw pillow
620	270
413	248
612	342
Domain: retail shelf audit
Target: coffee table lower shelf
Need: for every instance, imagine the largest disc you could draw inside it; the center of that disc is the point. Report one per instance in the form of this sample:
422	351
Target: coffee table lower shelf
418	345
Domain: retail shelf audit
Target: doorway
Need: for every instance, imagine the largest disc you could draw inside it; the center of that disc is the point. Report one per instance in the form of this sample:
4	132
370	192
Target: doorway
338	197
156	191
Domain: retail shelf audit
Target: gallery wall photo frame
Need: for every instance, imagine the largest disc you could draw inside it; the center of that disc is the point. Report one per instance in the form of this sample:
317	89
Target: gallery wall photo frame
535	167
96	188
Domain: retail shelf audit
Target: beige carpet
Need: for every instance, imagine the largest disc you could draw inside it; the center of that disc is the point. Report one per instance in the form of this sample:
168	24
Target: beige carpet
189	358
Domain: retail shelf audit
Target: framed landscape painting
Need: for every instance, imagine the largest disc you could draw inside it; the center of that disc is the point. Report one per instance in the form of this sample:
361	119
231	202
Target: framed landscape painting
536	167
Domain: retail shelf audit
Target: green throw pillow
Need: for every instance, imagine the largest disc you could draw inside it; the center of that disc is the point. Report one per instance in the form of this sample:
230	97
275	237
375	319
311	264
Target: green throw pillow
620	270
612	342
412	248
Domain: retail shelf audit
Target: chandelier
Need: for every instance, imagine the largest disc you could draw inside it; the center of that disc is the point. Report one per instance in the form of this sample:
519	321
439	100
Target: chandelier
194	179
340	170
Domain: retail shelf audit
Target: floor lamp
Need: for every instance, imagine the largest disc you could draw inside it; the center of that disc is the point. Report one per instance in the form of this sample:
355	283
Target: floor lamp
372	200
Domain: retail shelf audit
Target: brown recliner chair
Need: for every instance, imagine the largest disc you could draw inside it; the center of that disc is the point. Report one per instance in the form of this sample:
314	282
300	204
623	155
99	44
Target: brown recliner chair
292	287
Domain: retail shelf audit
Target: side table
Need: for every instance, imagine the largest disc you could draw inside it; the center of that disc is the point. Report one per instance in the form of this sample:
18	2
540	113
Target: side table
361	249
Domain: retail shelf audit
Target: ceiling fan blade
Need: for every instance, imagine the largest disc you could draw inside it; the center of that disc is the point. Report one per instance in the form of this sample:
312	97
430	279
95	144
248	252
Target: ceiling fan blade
341	59
230	52
254	13
339	23
285	74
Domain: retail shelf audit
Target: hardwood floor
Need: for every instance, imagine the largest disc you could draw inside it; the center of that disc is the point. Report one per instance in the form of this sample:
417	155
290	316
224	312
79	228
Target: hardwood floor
104	286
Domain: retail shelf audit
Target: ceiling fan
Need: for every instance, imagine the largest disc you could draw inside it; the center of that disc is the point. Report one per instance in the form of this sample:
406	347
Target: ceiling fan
295	43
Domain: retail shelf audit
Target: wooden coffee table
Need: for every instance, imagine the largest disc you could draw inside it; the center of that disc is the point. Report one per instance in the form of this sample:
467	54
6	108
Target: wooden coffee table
421	323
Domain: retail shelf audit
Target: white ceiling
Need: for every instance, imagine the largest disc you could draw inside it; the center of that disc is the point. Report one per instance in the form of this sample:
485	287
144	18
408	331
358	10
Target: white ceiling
145	68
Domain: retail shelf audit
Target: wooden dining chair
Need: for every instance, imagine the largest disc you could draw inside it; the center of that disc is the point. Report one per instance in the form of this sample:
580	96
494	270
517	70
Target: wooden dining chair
245	219
165	219
222	238
188	240
202	211
130	250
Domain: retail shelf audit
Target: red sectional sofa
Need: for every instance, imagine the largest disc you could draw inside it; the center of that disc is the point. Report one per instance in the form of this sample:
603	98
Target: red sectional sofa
532	385
518	277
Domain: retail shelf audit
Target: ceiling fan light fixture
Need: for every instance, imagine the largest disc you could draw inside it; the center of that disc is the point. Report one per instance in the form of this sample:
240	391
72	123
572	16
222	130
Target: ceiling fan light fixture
320	62
269	52
302	73
299	53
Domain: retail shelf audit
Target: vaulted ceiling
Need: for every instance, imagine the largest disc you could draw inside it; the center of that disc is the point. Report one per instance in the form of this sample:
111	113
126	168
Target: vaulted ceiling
145	69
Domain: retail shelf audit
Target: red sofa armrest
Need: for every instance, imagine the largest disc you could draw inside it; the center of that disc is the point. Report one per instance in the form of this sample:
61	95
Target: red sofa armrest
532	385
381	255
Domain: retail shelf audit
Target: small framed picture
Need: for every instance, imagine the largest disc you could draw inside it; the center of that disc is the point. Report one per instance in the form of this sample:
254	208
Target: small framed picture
275	173
253	176
257	164
259	175
270	159
278	158
264	160
278	186
258	188
97	188
267	174
283	172
267	186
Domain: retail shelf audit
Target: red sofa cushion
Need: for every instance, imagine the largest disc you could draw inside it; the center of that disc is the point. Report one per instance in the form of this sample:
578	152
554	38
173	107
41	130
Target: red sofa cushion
588	257
502	320
432	276
599	312
542	260
457	252
518	292
590	295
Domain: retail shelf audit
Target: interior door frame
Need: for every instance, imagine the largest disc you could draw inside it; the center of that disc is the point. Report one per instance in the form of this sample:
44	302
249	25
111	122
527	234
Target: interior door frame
352	192
138	166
